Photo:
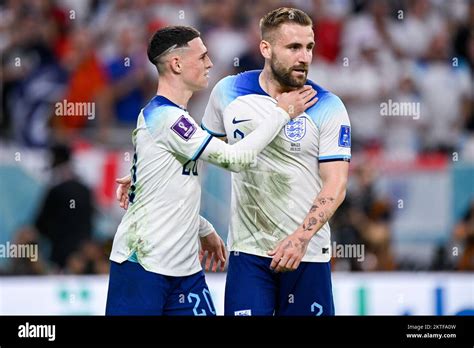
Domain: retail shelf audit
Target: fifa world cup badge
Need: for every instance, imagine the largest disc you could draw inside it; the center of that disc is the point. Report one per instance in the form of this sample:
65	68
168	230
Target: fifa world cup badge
345	136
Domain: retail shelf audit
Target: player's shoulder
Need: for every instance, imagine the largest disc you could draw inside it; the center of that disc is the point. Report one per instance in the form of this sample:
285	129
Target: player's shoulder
246	83
328	105
161	106
161	110
325	98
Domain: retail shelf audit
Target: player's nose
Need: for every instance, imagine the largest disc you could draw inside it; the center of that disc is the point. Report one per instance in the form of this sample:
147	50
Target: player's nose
209	63
305	57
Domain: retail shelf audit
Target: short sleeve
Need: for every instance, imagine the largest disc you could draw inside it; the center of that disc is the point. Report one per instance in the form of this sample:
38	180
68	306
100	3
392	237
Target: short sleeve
174	129
334	127
184	137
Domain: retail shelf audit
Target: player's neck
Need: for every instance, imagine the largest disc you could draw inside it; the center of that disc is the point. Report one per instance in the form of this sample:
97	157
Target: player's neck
174	91
270	85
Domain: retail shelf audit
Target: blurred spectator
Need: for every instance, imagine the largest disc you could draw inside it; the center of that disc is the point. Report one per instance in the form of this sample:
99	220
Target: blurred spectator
329	20
365	73
377	238
364	219
464	38
363	84
402	134
127	73
221	22
91	258
251	59
33	78
444	86
463	46
87	81
442	260
345	230
373	27
420	23
27	266
65	216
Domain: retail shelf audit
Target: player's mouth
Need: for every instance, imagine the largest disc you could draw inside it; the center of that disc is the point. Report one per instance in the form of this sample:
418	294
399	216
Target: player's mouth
300	71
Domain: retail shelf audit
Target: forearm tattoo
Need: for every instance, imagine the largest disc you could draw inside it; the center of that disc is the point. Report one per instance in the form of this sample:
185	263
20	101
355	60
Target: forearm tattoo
321	212
312	221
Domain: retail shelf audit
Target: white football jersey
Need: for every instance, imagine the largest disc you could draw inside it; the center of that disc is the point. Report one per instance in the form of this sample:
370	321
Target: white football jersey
270	200
161	227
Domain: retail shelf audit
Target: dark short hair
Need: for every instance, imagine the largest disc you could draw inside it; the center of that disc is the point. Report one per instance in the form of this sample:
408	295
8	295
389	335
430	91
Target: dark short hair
273	19
167	37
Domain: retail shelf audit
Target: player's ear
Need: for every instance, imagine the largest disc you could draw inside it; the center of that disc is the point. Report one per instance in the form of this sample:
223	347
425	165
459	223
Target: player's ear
266	49
176	65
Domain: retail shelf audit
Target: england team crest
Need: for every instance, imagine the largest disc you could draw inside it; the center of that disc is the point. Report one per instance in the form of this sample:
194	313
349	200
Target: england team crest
296	129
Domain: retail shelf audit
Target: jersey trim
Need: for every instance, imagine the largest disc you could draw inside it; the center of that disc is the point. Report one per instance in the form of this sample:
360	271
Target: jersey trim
212	132
160	100
202	147
345	158
133	257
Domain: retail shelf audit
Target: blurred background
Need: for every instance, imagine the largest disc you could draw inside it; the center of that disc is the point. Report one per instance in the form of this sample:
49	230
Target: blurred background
410	201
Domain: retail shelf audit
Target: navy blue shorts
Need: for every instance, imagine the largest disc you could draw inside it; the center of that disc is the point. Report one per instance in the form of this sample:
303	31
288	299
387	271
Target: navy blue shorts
252	288
136	291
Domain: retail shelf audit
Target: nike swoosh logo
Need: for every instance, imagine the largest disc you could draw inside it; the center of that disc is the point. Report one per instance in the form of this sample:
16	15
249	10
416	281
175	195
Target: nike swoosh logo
234	121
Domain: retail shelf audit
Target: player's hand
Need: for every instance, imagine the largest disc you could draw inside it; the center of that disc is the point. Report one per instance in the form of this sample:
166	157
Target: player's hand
288	254
122	190
214	247
297	101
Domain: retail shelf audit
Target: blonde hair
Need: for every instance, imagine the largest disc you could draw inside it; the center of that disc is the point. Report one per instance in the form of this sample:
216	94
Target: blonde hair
274	19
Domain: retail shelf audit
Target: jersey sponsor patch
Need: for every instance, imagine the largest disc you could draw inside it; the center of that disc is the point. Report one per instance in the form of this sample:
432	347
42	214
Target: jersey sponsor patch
183	128
345	136
296	129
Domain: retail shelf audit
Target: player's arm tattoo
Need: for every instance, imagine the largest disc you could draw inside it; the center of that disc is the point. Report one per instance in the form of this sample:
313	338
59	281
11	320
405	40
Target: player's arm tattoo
303	244
325	200
312	222
320	212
